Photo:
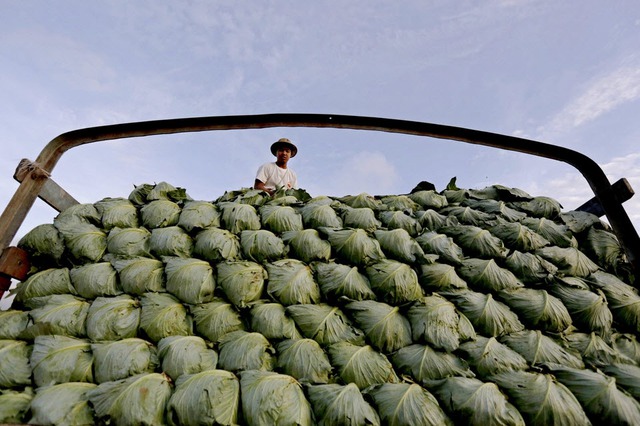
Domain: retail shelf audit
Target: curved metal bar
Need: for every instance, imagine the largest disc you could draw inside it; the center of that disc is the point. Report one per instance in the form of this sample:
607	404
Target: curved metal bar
13	216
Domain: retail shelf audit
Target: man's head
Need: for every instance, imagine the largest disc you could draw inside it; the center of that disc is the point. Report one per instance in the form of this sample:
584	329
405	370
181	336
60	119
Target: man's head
283	143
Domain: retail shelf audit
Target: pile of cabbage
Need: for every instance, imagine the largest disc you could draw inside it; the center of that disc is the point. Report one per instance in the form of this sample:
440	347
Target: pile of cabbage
462	306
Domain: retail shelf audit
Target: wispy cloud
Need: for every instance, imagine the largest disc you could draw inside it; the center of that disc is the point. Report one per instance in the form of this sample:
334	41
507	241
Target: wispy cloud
601	95
369	172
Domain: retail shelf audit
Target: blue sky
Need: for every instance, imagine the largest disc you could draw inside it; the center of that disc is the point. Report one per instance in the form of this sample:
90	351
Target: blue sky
562	72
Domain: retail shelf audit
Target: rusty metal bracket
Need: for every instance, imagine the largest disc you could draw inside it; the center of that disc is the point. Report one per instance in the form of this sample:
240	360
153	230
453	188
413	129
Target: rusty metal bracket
30	188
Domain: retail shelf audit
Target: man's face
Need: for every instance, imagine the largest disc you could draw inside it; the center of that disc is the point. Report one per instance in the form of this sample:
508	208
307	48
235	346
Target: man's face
283	154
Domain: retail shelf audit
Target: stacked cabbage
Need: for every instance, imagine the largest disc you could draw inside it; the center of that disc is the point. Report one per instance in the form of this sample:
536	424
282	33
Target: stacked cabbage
455	307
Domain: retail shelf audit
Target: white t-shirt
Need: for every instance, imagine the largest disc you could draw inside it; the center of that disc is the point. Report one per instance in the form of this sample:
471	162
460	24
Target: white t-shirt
275	177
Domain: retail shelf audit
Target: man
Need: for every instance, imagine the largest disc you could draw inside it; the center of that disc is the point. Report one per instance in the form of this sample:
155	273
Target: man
272	176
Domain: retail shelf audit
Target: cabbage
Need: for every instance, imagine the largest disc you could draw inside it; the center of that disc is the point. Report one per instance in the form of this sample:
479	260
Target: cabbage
15	369
207	397
76	216
163	315
317	215
361	365
85	242
537	309
434	320
140	275
324	323
337	280
137	400
425	364
95	279
627	377
113	318
540	207
468	216
63	313
190	280
570	260
489	316
579	221
530	268
397	244
557	234
279	219
62	404
140	193
485	275
12	323
243	350
291	282
305	360
123	358
599	395
362	217
15	405
487	356
541	399
61	359
431	220
270	398
623	299
442	245
186	355
473	402
538	349
439	276
45	245
399	202
271	320
261	246
45	283
476	241
160	214
589	310
129	242
238	217
429	199
166	191
117	212
604	247
198	215
497	208
215	319
397	219
362	200
307	245
170	241
407	404
215	245
595	351
335	404
384	326
394	282
355	246
626	344
241	281
517	236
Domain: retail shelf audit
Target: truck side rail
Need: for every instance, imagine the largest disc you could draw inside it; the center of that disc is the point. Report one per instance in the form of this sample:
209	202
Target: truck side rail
26	194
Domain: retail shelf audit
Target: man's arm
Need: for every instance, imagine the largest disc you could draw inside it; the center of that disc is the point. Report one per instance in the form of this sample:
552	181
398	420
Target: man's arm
258	184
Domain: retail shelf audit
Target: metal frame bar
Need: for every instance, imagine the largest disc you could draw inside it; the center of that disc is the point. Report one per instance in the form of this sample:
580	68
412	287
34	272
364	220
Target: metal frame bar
26	194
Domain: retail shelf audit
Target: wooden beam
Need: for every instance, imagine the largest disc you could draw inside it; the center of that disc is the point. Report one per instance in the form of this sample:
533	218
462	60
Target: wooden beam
622	191
51	193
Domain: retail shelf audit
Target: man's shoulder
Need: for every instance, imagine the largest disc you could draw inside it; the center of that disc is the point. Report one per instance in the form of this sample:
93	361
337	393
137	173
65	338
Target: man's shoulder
267	165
